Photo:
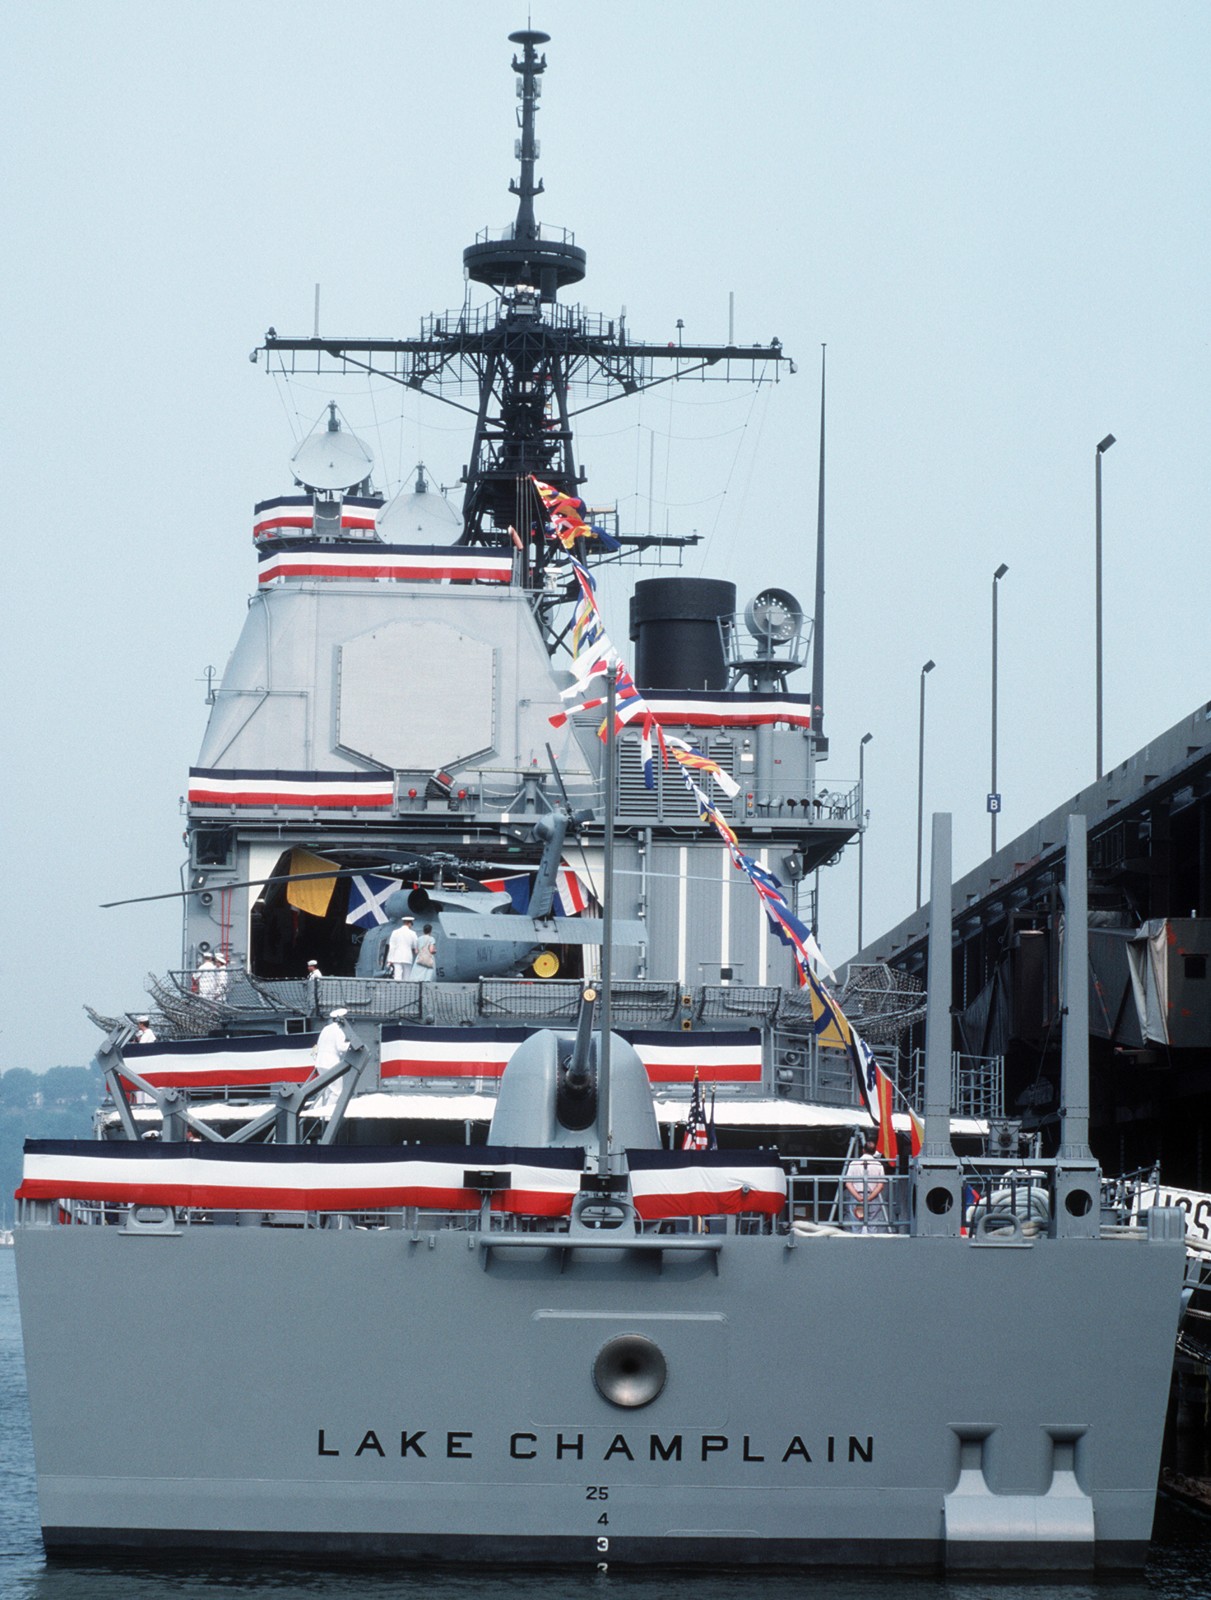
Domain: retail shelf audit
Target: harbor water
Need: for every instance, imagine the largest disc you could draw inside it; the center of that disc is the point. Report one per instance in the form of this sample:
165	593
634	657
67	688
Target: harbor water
1179	1568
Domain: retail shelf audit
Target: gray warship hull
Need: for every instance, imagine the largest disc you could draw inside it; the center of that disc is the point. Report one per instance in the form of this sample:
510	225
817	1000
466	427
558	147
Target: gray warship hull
401	1267
429	1396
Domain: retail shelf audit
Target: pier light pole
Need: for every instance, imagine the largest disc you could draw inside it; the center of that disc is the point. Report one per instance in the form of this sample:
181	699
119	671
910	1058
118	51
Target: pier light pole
925	670
866	738
994	798
1101	451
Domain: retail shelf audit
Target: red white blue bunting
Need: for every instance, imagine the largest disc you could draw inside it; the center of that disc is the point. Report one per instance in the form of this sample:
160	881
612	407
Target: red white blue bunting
447	1052
713	1057
303	558
702	708
704	1183
222	1177
237	786
293	513
223	1063
409	1052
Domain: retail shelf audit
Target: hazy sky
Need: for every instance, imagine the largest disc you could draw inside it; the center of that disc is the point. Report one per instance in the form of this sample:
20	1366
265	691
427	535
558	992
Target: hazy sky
995	215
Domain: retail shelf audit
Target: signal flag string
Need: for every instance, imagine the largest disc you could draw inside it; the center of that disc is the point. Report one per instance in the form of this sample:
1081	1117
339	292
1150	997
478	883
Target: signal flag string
594	658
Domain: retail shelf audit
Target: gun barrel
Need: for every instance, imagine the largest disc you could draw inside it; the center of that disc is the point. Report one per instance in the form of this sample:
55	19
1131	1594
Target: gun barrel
578	1067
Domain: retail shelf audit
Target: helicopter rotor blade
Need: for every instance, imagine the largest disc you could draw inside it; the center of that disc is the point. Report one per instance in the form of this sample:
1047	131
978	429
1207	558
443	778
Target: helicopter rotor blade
247	883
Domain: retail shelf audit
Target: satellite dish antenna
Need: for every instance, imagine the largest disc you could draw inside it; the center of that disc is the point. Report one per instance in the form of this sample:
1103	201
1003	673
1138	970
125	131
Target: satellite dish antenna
417	514
332	458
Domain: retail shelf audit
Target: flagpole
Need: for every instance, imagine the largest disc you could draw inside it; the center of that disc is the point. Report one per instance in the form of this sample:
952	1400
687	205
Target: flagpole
914	1120
607	927
818	620
938	1024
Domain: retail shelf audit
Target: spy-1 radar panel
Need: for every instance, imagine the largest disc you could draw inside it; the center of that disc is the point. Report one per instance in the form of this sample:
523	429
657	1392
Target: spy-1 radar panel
417	696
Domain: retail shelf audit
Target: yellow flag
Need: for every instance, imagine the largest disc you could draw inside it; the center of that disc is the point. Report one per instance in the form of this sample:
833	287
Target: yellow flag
312	895
833	1033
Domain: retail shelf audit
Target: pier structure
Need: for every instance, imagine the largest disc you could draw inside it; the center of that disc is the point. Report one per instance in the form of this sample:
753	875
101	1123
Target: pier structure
1149	1009
1149	910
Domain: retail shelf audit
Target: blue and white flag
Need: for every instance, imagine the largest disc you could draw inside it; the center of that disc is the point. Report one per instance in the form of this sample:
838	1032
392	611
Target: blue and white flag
367	893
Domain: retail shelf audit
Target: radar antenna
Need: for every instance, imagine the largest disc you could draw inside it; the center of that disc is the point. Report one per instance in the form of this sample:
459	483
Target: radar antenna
522	354
330	460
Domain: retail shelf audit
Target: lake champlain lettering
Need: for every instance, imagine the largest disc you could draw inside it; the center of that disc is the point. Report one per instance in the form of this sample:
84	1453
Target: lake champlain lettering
555	1445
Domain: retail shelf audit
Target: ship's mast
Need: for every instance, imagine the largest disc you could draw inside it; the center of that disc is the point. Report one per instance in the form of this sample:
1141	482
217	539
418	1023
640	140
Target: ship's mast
522	354
522	425
528	89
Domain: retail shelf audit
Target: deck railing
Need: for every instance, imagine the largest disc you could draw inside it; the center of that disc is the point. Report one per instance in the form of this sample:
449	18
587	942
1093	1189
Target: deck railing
1002	1203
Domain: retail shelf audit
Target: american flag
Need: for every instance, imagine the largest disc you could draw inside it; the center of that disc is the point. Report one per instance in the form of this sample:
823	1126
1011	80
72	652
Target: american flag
696	1136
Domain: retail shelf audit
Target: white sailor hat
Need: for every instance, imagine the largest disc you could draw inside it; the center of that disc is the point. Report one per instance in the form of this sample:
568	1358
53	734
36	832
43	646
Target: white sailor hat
341	1011
142	1017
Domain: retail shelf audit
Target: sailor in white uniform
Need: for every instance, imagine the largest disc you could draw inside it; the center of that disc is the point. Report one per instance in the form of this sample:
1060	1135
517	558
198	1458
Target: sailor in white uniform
866	1191
401	950
332	1046
212	976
